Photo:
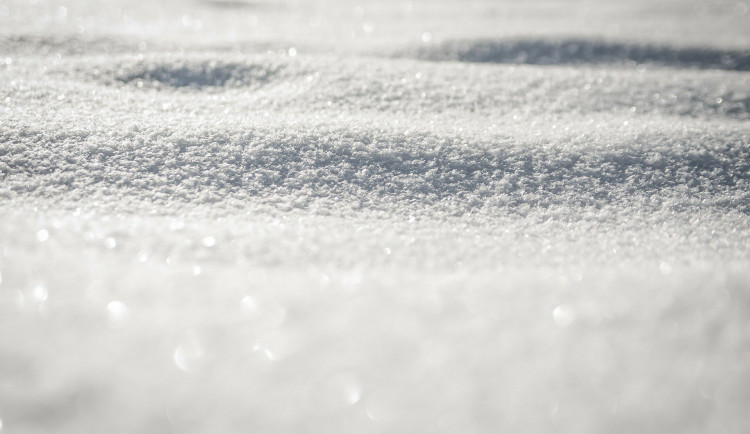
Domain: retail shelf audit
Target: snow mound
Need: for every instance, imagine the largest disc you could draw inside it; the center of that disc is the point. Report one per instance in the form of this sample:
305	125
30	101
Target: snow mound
48	45
582	51
383	167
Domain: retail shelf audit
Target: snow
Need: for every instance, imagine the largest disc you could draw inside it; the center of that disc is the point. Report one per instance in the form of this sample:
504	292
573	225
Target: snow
581	51
336	216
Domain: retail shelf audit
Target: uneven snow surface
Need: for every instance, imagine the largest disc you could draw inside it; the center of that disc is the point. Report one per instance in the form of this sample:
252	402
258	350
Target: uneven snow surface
335	216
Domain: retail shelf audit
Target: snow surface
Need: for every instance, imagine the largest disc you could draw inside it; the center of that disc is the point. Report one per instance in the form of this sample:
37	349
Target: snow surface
400	217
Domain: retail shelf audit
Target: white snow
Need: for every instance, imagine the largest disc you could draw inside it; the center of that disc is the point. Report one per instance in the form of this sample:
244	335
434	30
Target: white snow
338	216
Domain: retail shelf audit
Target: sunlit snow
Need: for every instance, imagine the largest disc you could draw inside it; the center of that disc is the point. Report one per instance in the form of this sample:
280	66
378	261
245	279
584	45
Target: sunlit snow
335	216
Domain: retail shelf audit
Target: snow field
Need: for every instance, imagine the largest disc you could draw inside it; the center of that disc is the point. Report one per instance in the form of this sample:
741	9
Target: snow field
293	217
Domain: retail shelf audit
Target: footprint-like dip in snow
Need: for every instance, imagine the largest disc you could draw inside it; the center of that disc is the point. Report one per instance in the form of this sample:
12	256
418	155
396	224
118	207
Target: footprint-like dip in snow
242	4
199	74
581	51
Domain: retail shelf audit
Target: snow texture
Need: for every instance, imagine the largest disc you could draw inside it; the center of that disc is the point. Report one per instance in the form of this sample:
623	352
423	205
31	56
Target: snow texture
374	217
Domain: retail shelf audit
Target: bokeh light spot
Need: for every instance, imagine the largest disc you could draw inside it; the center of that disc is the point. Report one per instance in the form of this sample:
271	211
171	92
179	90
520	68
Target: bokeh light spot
563	315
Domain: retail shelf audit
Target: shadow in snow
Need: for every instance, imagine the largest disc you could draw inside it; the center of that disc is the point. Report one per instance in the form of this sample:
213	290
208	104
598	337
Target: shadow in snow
199	75
580	51
242	4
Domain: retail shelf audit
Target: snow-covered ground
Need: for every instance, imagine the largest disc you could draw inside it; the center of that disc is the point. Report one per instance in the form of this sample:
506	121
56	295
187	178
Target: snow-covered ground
388	216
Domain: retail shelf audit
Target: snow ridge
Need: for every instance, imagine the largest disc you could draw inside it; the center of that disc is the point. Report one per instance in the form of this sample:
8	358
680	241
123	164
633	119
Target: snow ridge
418	168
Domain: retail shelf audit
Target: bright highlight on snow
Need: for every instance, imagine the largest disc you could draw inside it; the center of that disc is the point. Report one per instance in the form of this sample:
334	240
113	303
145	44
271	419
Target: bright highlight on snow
374	217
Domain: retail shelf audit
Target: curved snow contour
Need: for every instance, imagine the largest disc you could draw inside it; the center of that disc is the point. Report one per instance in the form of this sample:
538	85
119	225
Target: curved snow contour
199	74
581	51
379	167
